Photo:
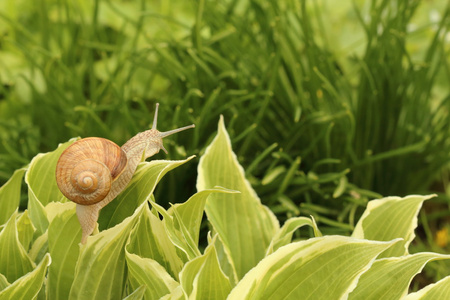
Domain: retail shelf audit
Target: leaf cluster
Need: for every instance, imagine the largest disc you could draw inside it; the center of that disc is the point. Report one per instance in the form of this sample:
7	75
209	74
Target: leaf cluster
325	99
144	251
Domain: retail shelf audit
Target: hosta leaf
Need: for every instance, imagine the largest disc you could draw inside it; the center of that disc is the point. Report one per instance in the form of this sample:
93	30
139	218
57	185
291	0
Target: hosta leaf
225	261
3	282
319	268
141	186
64	235
284	234
149	273
149	239
182	222
389	278
100	269
25	230
37	213
55	209
438	290
10	196
191	212
40	175
389	218
202	277
28	286
39	248
138	294
42	294
177	237
177	294
14	261
245	226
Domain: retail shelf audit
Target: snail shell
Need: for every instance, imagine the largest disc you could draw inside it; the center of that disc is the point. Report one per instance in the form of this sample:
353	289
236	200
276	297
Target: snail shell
86	170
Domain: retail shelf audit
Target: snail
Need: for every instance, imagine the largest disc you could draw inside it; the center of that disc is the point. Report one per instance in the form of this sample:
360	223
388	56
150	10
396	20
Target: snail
93	171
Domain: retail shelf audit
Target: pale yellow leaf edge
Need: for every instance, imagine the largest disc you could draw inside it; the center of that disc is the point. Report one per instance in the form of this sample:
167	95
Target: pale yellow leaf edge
423	292
373	204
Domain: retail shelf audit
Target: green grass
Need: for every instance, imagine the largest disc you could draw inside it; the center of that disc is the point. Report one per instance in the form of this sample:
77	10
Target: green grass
329	104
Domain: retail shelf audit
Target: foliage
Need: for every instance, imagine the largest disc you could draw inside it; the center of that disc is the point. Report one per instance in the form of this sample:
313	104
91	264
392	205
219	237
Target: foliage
326	99
148	252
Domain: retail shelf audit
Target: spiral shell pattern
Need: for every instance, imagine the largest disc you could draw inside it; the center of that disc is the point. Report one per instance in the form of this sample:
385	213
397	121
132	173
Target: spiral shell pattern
86	169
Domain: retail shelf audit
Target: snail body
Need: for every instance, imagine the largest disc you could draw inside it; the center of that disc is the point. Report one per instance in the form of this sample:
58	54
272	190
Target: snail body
93	171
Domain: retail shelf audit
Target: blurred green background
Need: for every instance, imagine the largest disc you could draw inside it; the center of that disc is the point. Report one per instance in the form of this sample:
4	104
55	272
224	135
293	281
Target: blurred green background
328	103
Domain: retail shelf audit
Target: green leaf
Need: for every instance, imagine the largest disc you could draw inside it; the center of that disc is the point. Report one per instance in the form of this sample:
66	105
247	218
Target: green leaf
149	239
28	286
10	196
184	226
389	218
39	248
389	278
138	294
225	262
64	234
177	237
438	290
3	282
42	216
319	268
14	261
40	175
141	186
55	209
202	277
149	273
177	294
25	230
37	213
284	234
100	272
245	226
191	212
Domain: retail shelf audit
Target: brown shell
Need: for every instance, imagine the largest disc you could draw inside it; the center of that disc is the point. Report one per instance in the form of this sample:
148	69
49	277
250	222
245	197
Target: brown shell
86	169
